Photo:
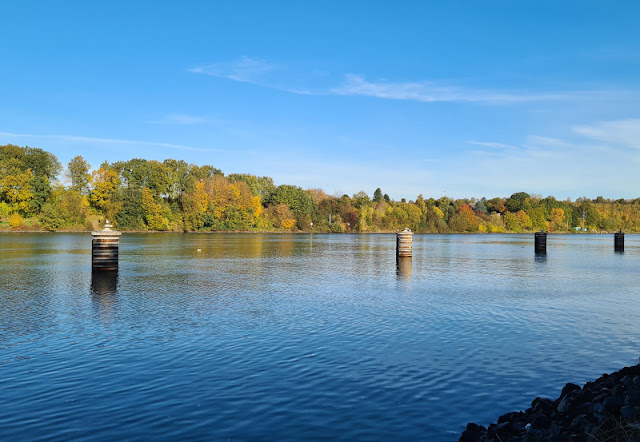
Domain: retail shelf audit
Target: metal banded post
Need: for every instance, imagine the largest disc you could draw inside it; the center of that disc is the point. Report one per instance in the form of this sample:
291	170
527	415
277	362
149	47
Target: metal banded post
404	243
618	241
541	242
104	249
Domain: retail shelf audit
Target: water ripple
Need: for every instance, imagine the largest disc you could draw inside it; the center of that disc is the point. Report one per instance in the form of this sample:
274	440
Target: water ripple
302	336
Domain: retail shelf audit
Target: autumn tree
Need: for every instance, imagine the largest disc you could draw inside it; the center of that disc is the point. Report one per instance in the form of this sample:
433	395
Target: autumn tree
296	199
16	190
105	184
556	217
155	214
260	186
195	205
523	220
537	217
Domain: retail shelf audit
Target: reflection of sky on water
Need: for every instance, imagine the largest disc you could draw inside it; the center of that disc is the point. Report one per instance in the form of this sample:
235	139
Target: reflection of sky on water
238	336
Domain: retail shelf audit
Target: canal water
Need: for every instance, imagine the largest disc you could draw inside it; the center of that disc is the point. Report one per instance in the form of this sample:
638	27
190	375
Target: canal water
289	337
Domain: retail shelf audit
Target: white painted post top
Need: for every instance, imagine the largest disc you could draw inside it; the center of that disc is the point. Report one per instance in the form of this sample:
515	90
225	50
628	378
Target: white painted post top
106	231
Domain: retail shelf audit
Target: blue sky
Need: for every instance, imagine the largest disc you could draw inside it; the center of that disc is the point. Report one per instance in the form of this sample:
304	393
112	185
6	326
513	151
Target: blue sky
463	98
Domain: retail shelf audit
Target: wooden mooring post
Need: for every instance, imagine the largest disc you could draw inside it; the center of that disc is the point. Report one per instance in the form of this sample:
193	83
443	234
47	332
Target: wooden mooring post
104	249
541	242
618	241
404	243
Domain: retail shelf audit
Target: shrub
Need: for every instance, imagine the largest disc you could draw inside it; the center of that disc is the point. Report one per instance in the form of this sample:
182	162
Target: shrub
15	220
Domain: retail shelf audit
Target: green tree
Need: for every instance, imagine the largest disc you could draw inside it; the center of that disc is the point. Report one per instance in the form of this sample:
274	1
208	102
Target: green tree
360	200
41	163
511	222
538	219
52	217
377	195
131	214
260	186
295	198
78	174
177	176
519	201
41	191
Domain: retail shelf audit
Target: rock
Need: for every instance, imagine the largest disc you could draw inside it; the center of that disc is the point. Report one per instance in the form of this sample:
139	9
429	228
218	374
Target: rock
511	417
613	403
473	433
541	422
569	388
627	412
578	414
597	408
601	397
632	397
569	402
540	405
579	422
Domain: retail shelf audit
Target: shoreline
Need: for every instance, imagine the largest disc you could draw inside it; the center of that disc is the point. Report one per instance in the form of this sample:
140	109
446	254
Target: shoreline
607	409
253	232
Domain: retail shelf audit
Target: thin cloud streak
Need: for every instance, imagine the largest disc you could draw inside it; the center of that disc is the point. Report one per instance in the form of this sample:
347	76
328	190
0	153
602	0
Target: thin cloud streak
430	92
260	73
180	119
244	70
624	133
249	70
75	138
492	145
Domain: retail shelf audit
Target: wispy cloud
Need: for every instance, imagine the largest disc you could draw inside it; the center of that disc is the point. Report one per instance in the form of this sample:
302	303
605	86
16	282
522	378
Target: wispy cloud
245	69
83	139
181	119
500	146
276	76
625	133
547	142
254	71
430	92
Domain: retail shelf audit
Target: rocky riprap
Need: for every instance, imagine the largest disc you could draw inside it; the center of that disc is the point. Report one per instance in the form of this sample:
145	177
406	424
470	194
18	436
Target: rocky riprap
607	409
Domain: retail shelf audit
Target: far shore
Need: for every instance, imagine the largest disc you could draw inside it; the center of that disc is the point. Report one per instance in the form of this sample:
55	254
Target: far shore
253	232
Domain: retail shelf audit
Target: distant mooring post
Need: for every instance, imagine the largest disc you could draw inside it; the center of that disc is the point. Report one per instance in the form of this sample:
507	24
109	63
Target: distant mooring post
618	241
541	242
404	243
104	249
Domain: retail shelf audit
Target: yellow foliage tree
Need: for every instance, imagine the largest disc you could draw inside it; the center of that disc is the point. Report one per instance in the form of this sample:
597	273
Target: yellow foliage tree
195	205
17	191
556	216
15	220
154	214
523	220
281	216
105	182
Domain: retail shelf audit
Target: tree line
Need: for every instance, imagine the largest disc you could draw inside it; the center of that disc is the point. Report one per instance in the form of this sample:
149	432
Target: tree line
174	195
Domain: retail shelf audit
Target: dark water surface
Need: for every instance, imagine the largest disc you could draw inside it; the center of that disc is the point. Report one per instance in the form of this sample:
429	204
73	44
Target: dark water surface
292	337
